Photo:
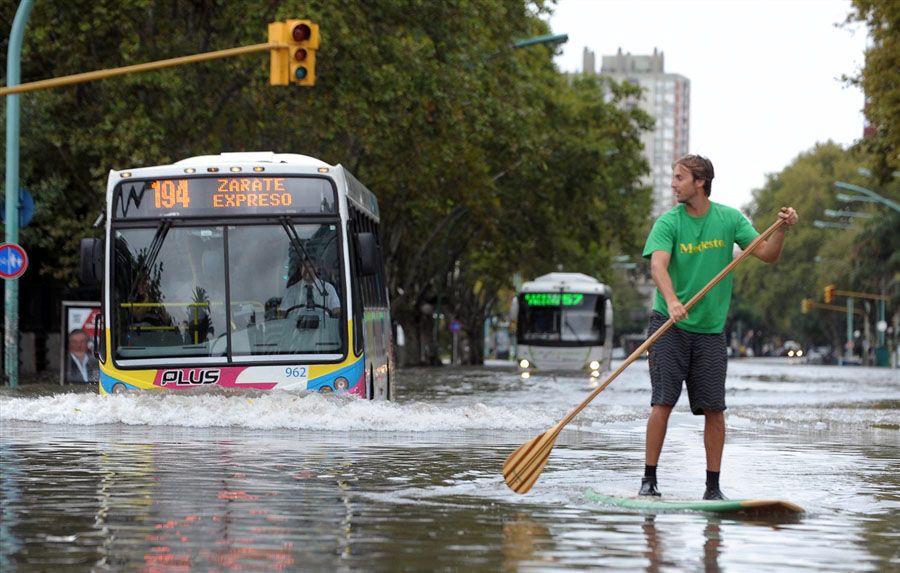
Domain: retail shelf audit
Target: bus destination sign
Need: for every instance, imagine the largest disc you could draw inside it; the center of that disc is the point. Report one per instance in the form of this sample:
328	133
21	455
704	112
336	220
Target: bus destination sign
553	299
223	196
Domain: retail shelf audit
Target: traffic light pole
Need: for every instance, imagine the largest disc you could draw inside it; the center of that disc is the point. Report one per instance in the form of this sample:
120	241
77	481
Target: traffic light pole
832	307
102	74
11	296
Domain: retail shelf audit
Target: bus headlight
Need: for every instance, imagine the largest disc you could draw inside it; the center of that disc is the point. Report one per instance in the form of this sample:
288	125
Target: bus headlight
799	353
595	365
325	389
341	383
790	353
524	363
119	388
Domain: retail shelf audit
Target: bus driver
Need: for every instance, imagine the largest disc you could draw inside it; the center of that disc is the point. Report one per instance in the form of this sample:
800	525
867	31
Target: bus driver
311	292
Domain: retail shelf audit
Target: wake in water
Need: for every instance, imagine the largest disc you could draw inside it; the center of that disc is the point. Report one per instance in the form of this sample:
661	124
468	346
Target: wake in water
275	410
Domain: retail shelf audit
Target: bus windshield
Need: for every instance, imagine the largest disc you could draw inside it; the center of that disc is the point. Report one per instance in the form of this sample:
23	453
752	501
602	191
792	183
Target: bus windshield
553	319
216	292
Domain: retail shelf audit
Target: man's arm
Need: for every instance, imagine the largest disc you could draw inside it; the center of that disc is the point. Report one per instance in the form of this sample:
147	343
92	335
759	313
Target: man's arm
659	270
769	250
332	301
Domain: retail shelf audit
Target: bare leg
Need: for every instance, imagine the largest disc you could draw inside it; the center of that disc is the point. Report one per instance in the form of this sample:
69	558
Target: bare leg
714	439
656	433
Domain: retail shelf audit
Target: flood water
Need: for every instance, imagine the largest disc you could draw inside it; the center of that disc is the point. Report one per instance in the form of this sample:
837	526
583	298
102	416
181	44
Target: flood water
305	482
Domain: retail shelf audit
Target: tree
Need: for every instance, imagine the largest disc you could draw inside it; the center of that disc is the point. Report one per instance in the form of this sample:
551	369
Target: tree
861	258
880	79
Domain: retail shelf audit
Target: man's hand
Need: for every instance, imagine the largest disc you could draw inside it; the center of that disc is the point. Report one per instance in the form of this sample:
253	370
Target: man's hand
789	216
677	311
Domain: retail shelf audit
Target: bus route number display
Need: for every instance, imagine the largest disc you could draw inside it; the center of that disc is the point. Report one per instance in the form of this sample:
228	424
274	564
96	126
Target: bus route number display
218	196
553	299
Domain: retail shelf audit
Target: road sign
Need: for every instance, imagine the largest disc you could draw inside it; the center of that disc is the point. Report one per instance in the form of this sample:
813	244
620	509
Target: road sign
13	261
26	208
455	325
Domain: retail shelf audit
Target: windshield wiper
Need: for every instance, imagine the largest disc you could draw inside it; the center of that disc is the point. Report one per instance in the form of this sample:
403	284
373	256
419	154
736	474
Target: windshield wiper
301	251
156	244
162	229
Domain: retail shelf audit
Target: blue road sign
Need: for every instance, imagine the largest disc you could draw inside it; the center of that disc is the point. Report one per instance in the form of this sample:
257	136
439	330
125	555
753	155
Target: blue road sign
13	261
455	325
26	208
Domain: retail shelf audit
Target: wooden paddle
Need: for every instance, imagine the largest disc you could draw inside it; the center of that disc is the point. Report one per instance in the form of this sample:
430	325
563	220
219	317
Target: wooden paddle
523	467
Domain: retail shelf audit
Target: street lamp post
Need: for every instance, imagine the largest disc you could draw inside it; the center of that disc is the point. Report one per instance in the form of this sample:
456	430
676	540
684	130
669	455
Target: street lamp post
851	214
864	195
830	225
868	193
545	39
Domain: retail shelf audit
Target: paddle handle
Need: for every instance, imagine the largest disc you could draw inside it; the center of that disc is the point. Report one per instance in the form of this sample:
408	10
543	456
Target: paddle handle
666	325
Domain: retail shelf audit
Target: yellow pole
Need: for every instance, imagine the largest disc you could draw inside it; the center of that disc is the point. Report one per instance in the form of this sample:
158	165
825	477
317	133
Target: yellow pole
833	307
103	74
855	294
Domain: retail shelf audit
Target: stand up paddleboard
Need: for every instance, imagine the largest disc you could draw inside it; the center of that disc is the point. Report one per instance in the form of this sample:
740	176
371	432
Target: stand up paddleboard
748	506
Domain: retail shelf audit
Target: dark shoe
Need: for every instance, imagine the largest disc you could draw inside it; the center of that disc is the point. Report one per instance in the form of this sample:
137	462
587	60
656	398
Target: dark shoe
648	487
714	494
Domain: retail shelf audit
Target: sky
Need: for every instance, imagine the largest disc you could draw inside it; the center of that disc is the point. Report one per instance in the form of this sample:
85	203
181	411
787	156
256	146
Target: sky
765	74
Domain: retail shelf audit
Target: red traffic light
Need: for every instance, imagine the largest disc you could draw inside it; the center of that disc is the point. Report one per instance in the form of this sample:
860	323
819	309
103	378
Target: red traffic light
301	32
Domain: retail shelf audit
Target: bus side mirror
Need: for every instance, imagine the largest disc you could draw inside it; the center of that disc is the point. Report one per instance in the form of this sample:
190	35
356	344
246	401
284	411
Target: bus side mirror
367	251
91	269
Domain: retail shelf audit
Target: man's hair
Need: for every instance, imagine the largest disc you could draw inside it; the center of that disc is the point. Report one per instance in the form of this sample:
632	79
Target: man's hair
79	332
700	168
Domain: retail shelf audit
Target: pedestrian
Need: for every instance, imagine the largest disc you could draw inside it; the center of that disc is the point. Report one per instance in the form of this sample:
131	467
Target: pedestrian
687	247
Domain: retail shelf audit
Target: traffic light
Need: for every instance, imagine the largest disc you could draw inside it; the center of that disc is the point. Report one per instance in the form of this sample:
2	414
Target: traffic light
829	293
303	41
806	305
279	66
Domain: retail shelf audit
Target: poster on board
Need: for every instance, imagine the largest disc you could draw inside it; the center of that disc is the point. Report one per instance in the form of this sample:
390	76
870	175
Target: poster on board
79	361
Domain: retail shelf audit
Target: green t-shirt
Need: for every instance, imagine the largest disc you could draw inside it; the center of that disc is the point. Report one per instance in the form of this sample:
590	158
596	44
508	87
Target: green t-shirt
700	248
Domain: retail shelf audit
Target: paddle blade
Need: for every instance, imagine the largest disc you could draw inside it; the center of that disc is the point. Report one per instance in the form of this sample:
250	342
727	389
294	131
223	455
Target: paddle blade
523	467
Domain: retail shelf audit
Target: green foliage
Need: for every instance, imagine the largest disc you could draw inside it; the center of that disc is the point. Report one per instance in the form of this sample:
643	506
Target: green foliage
880	79
863	258
486	160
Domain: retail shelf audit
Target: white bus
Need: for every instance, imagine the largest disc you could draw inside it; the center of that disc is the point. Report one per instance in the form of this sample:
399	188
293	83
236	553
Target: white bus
564	323
241	270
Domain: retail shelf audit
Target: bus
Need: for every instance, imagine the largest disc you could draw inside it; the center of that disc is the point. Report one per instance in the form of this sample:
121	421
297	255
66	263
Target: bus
241	270
564	323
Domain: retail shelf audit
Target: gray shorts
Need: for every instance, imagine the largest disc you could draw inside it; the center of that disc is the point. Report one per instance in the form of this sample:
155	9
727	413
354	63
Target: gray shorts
699	360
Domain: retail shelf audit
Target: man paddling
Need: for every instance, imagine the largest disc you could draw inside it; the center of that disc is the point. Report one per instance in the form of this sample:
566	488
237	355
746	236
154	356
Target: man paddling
688	246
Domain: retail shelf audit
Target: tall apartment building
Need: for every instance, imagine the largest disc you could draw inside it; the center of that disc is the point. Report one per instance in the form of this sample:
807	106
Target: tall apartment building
666	98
